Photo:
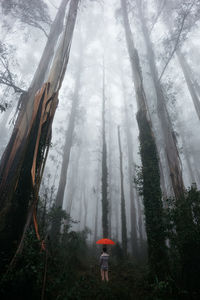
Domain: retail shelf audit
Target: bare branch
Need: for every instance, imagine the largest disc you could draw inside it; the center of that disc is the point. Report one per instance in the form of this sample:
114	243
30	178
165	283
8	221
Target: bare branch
6	77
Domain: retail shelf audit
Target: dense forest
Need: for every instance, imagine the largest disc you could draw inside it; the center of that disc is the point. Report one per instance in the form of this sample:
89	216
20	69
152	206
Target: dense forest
99	138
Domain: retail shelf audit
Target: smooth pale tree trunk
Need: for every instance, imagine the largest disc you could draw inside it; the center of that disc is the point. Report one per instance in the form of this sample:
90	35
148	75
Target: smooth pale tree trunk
69	137
131	173
110	139
96	219
104	179
123	204
189	80
170	143
150	166
23	161
69	198
97	193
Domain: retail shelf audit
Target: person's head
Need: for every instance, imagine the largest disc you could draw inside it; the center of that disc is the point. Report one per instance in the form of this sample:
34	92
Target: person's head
104	249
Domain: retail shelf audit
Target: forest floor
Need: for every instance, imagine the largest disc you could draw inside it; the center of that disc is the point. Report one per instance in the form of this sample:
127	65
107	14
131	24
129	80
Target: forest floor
125	282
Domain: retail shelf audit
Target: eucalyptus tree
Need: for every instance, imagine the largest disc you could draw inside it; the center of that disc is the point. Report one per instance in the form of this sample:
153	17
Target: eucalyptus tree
70	133
104	179
23	161
150	167
123	203
96	193
131	171
110	161
73	182
183	17
170	145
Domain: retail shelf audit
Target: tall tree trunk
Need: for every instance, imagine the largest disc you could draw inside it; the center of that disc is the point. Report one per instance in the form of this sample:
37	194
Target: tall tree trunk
110	167
69	137
123	205
150	167
131	173
189	158
27	101
80	214
74	184
85	202
104	180
189	80
97	192
23	161
96	219
169	137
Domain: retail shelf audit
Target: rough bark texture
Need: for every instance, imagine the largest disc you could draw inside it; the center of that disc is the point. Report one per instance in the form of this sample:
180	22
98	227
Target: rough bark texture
104	180
123	205
169	137
21	164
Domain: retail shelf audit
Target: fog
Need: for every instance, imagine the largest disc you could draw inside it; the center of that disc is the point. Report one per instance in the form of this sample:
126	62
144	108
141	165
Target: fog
114	75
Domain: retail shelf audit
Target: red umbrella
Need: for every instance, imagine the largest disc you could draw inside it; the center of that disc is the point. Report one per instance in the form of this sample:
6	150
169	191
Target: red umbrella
105	242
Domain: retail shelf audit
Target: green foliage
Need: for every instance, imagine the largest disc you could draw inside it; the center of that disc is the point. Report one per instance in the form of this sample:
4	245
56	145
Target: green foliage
63	260
26	277
73	270
183	231
152	197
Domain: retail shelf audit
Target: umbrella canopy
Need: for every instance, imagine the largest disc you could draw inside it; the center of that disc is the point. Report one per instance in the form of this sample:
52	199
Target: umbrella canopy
105	242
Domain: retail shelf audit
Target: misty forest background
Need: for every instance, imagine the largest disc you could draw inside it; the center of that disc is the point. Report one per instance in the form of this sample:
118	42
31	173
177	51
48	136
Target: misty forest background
99	123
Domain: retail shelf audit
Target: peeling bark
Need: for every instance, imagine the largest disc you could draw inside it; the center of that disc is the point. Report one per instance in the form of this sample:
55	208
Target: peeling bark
23	160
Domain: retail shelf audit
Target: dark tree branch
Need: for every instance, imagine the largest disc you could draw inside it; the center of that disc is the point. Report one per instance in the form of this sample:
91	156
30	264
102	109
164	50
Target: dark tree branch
6	77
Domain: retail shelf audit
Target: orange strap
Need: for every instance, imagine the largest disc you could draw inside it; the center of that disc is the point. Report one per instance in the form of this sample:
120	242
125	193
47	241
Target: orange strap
36	230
